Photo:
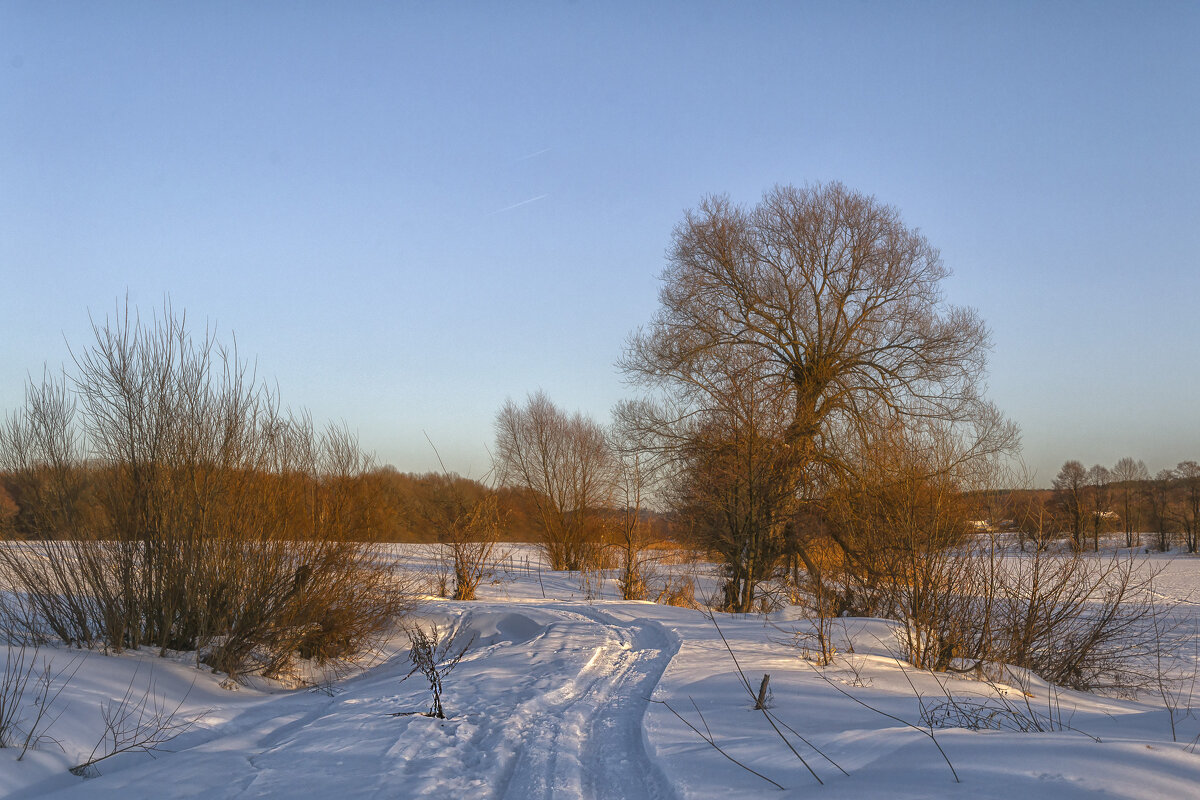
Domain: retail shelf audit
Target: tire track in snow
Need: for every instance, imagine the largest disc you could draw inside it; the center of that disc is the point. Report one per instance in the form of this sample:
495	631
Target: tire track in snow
589	740
617	763
553	714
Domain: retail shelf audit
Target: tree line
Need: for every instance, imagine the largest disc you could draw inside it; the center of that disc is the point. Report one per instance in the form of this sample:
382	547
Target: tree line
1086	505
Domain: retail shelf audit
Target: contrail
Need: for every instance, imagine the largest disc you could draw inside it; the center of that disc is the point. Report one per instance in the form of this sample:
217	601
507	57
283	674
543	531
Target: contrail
518	205
543	151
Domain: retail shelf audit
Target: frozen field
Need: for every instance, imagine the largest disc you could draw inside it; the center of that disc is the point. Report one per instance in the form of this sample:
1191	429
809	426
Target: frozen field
563	697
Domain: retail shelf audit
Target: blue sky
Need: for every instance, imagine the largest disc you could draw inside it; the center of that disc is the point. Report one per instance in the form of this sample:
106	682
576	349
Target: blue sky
408	212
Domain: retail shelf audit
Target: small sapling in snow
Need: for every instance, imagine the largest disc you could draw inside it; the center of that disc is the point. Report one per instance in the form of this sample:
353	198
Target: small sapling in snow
435	655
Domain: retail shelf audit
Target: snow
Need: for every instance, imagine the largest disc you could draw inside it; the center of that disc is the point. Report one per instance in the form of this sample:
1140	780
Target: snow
560	696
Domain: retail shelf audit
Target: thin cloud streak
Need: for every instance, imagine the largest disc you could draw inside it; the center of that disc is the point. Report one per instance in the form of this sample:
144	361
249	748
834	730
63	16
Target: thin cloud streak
518	205
535	154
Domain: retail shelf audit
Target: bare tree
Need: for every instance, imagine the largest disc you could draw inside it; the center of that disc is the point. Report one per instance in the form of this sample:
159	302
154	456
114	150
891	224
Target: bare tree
1129	474
735	491
565	462
838	305
1032	518
1157	493
632	476
1188	473
1069	489
1099	495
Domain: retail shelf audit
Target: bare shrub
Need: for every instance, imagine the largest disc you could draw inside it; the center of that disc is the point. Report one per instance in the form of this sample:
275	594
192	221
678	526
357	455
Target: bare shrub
23	723
1174	672
1077	621
997	711
600	560
634	568
214	521
631	530
466	521
903	517
1082	622
16	624
8	511
1085	623
19	669
817	601
678	590
438	575
435	655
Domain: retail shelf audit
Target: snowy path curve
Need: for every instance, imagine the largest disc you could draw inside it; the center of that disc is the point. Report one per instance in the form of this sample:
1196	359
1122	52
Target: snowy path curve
549	703
596	717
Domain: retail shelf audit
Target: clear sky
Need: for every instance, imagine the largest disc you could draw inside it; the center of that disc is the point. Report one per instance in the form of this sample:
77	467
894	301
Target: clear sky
409	212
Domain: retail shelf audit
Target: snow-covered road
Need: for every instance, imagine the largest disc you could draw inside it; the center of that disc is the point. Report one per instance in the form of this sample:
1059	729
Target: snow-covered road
548	703
585	737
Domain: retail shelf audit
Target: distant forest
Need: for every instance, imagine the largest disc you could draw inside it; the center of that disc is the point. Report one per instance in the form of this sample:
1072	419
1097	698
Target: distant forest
396	506
1157	512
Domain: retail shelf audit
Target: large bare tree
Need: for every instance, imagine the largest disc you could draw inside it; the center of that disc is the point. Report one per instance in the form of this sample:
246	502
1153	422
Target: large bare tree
838	306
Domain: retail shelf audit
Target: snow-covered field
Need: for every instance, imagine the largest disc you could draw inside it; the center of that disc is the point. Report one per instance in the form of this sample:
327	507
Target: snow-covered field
565	697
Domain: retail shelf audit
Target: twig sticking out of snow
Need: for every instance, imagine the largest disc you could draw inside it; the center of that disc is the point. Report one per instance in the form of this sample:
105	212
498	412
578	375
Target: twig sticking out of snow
20	667
136	723
893	717
707	736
